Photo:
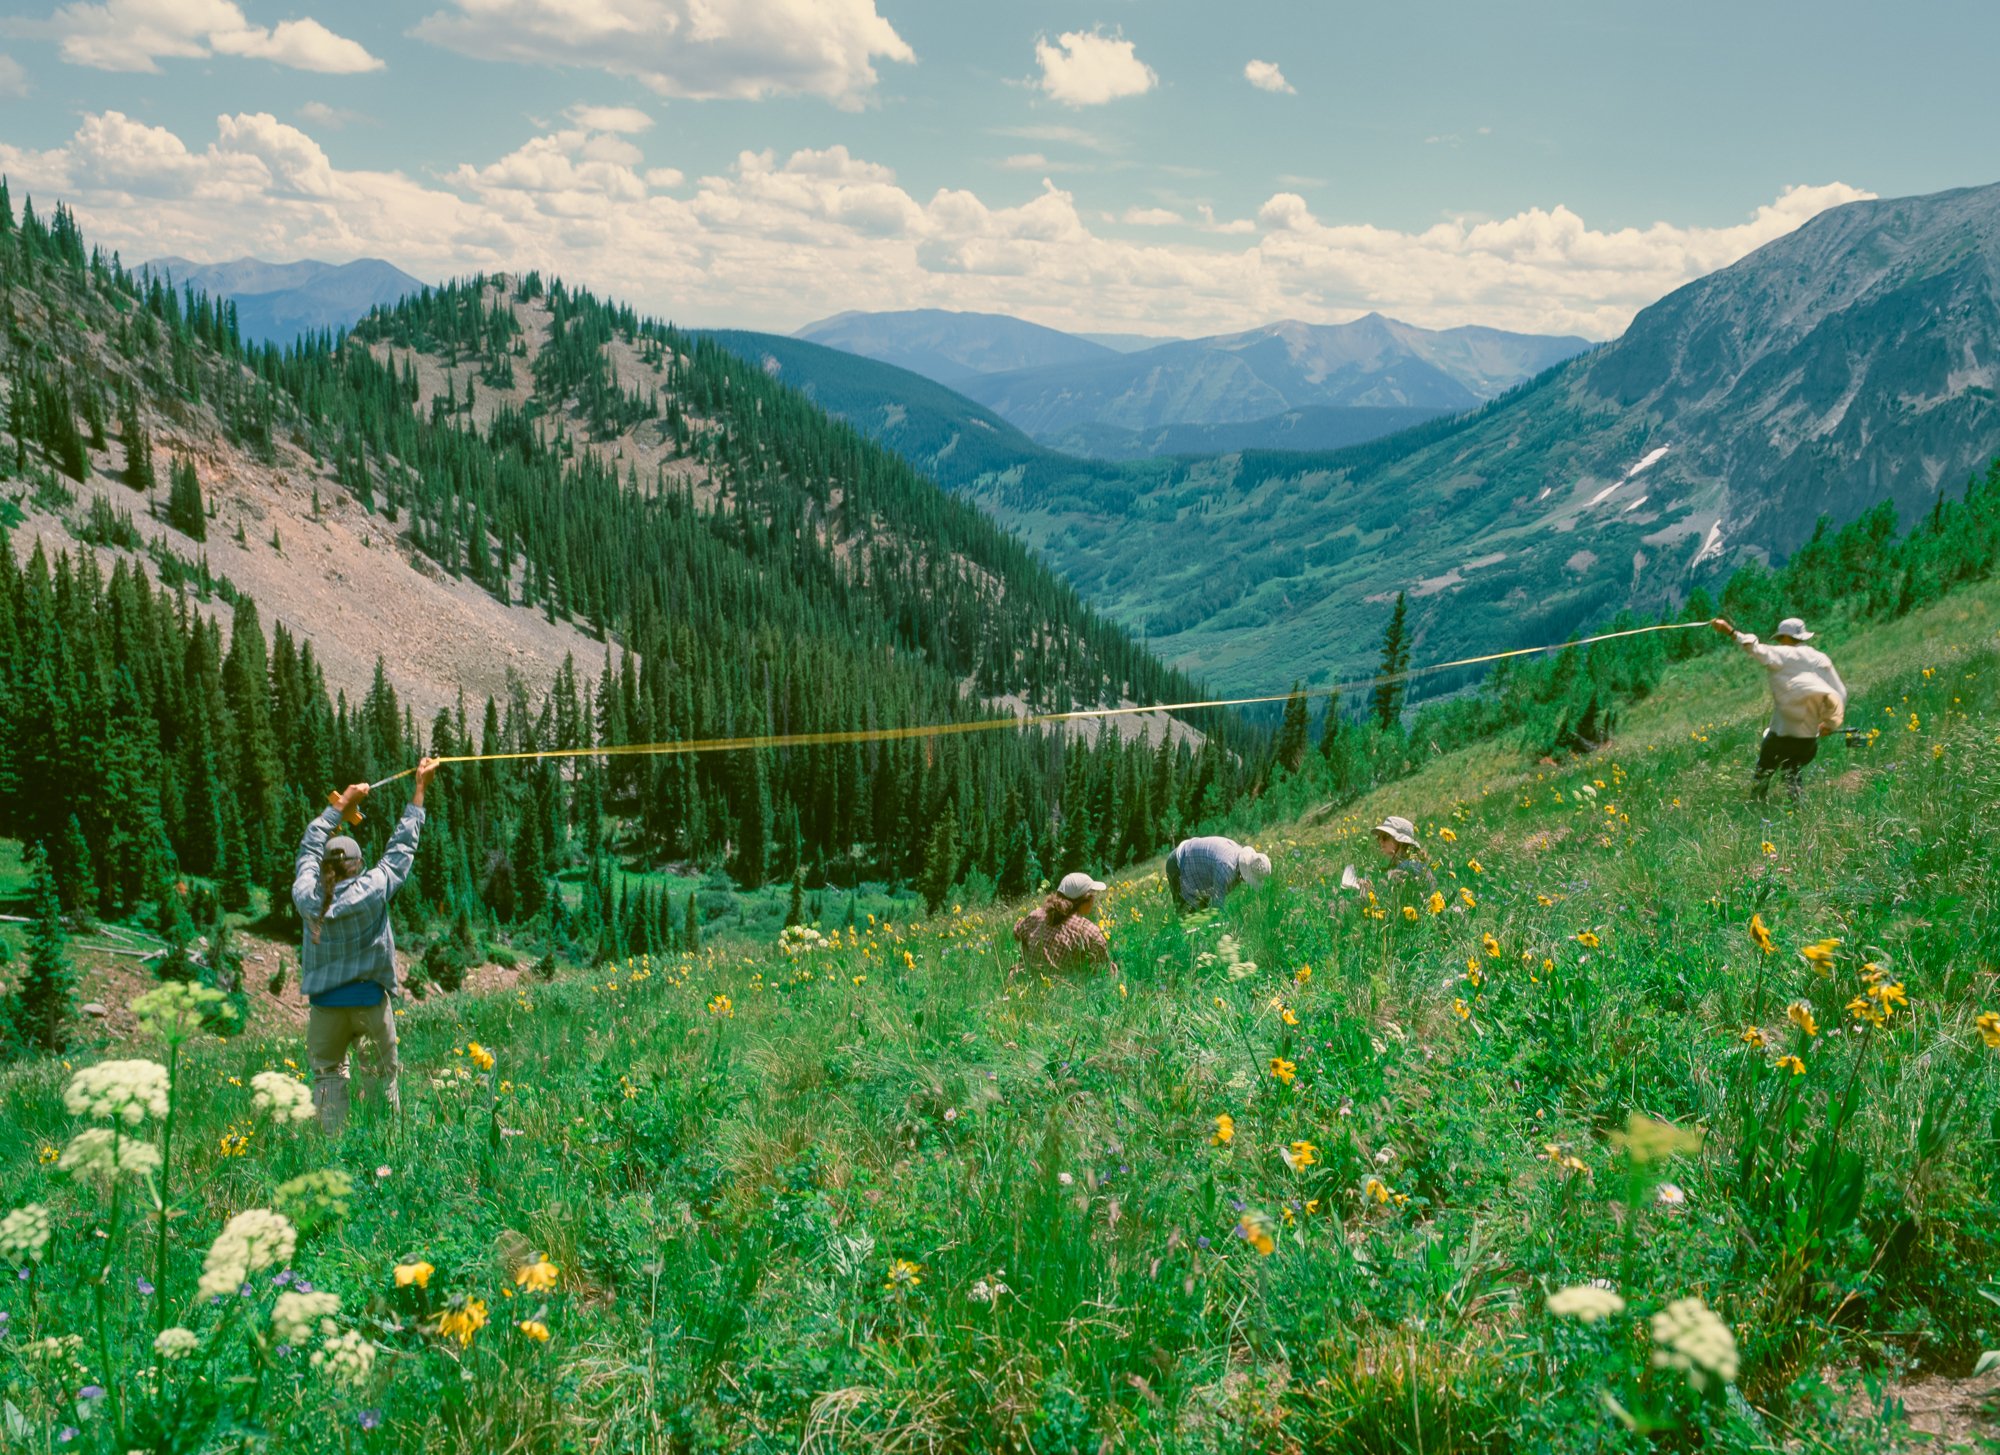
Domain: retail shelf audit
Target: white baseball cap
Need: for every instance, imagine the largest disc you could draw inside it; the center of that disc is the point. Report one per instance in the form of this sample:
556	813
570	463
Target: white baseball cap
1795	628
1079	887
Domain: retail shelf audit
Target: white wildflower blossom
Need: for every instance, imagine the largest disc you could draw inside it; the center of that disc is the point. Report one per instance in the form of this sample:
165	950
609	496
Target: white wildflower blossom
127	1091
24	1233
1690	1337
1586	1303
347	1358
59	1346
296	1316
249	1243
285	1099
101	1152
1669	1194
801	940
175	1343
990	1290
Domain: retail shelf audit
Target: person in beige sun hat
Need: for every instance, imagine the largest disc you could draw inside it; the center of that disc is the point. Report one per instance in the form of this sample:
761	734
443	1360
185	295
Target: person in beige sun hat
1061	935
1396	837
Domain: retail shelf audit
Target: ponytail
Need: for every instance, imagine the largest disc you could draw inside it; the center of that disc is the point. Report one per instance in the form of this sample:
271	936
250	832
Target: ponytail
329	885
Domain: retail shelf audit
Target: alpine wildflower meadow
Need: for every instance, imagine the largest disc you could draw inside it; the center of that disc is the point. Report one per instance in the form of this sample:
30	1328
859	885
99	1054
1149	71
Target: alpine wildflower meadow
1678	1131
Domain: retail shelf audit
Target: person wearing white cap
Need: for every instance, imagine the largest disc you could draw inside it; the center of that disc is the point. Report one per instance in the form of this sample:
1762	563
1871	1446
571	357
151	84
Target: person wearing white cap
1396	837
1201	872
1061	935
1808	699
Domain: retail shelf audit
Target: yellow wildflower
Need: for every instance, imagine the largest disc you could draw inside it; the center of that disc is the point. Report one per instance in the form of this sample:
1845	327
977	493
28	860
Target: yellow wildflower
1769	848
466	1317
1819	955
1473	865
481	1057
1752	1036
1284	1070
534	1329
1790	1063
1492	947
1299	1156
1800	1014
537	1277
1759	935
417	1273
1435	904
46	1154
1988	1024
1288	1016
1460	1009
1303	974
904	1275
235	1144
1588	940
1410	912
1448	836
1376	1190
1255	1229
1466	896
1225	1130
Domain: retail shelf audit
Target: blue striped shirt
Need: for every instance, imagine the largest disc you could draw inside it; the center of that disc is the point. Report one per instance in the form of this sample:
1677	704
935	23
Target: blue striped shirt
355	940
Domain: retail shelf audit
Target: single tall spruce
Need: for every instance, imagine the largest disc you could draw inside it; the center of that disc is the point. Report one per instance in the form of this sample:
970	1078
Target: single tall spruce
1291	749
1387	700
40	1006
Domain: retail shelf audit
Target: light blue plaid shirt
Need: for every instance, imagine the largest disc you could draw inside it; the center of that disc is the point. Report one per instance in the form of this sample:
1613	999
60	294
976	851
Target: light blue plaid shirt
355	940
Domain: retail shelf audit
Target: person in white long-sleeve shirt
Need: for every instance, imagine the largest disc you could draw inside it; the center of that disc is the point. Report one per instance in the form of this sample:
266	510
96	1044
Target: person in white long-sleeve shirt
1808	699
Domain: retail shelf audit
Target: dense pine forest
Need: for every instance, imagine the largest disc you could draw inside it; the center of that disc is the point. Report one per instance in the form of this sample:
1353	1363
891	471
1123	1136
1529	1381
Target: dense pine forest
814	582
775	572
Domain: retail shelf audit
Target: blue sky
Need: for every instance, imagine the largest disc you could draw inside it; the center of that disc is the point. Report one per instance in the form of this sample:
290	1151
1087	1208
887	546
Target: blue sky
1109	165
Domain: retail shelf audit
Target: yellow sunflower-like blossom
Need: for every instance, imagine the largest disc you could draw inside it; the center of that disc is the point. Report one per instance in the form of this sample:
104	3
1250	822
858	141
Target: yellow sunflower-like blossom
1284	1070
1760	935
1800	1014
1790	1063
1988	1025
1225	1130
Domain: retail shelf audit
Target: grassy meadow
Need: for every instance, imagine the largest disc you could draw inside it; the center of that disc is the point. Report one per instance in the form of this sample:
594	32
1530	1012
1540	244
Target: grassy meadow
1670	1123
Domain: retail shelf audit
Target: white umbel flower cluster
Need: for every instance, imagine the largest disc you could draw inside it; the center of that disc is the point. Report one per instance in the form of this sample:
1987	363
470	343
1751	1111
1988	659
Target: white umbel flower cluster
24	1234
799	940
102	1153
127	1091
296	1316
1690	1337
346	1358
249	1243
1586	1303
175	1343
285	1099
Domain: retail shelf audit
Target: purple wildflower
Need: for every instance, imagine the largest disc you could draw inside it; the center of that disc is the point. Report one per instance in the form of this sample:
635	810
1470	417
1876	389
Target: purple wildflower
369	1419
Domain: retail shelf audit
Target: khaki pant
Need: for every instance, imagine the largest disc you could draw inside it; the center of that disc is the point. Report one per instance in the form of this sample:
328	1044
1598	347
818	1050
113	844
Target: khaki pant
330	1032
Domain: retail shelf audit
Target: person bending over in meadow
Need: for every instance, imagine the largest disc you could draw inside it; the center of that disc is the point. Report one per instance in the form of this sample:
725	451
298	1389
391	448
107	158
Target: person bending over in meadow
1396	837
1808	700
347	965
1061	935
1201	872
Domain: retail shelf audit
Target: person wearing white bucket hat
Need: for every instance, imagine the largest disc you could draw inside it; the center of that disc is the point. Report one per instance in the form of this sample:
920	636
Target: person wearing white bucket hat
1808	700
1201	872
1061	935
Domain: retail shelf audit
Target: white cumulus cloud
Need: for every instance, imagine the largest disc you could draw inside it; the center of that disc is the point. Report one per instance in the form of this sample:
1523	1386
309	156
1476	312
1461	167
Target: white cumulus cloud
13	80
610	118
1266	76
135	35
775	239
1151	217
699	49
1089	68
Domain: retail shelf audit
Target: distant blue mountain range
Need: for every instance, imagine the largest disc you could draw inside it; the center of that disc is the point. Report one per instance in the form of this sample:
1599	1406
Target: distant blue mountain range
277	302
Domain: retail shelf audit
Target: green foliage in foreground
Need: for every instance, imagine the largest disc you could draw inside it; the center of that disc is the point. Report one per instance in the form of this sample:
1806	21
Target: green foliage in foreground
875	1192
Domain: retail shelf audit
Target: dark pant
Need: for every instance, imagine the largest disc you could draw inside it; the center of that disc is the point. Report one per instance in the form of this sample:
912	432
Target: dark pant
1789	754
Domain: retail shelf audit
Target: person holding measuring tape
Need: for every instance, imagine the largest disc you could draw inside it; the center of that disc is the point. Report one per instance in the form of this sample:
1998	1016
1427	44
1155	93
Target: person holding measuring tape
1808	700
347	963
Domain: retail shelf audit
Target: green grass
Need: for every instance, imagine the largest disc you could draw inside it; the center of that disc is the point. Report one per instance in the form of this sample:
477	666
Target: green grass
726	1185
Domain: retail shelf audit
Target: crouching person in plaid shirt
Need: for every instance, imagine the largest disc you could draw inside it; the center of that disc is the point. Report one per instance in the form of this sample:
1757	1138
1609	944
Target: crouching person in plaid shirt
347	965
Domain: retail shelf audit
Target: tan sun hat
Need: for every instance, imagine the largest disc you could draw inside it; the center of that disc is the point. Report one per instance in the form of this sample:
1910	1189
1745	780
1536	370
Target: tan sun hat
1795	628
1078	887
1398	828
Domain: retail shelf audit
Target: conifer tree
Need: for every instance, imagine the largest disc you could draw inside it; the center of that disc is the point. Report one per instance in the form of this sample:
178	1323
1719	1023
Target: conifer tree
1387	700
40	1005
691	934
1291	746
940	869
138	446
186	511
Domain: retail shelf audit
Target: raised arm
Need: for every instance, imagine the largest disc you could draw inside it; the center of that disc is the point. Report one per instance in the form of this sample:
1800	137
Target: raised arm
1765	656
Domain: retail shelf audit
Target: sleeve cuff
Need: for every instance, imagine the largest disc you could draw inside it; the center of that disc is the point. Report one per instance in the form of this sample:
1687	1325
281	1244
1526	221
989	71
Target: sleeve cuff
331	815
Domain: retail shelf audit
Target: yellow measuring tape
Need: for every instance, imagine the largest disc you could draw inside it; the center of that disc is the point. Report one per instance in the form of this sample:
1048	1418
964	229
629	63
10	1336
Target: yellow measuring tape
996	724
